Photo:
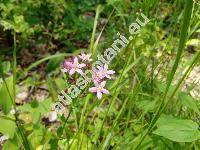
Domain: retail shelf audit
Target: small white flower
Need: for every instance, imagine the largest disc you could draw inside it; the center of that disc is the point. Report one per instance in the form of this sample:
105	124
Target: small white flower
52	116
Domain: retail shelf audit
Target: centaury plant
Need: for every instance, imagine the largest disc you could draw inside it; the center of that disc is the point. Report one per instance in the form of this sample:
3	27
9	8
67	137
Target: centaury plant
89	75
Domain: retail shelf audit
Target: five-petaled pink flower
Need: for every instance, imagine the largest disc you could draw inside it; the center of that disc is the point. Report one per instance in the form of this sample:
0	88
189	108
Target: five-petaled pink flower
67	65
85	57
99	89
74	67
97	75
104	70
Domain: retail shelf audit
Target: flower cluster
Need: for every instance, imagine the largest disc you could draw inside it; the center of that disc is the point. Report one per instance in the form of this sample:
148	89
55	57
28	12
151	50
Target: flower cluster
99	74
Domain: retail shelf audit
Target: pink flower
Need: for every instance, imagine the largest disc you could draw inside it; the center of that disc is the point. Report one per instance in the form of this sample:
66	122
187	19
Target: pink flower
73	67
104	70
99	89
85	57
67	65
97	75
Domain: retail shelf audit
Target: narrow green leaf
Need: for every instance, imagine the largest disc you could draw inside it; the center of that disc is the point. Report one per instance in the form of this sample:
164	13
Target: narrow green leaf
98	11
47	58
53	64
183	37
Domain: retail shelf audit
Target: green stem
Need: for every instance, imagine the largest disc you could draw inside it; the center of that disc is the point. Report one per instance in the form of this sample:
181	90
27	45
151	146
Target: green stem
115	94
20	128
14	65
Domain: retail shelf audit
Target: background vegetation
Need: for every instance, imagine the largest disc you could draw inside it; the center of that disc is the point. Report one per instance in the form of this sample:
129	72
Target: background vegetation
154	100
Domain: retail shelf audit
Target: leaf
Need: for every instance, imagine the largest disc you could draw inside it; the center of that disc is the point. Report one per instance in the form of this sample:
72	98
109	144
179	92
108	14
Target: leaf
146	143
146	104
54	143
189	102
6	67
35	115
43	107
18	24
61	83
8	25
12	144
47	58
36	137
1	65
53	64
183	38
98	11
83	143
7	95
178	130
7	127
